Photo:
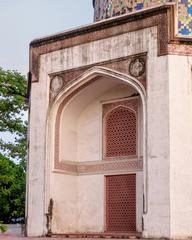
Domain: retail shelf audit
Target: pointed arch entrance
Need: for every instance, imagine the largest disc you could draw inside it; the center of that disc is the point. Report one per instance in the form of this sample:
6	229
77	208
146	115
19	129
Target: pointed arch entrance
77	125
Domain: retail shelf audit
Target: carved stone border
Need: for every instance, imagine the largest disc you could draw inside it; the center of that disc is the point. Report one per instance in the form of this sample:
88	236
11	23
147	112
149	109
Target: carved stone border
101	167
160	16
118	64
131	103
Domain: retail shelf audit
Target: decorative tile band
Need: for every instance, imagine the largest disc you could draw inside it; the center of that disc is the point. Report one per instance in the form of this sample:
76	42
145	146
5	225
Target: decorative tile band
185	17
109	8
101	167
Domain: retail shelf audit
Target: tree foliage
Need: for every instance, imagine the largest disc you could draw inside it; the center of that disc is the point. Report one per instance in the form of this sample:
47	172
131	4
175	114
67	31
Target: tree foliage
12	190
13	87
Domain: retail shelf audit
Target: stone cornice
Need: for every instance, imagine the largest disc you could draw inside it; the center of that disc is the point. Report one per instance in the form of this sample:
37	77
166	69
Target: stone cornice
106	23
161	16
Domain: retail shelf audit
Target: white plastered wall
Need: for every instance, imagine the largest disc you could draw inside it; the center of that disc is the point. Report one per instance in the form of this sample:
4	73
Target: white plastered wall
157	219
36	219
180	75
64	192
90	213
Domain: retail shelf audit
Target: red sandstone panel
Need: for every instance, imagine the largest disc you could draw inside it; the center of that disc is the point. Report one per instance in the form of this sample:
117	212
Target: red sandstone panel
121	203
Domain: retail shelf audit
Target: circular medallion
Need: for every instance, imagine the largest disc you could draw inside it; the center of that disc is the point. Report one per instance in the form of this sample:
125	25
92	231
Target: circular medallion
56	84
137	67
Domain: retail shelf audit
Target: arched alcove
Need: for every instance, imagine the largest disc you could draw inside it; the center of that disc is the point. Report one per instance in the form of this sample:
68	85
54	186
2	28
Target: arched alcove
81	140
77	144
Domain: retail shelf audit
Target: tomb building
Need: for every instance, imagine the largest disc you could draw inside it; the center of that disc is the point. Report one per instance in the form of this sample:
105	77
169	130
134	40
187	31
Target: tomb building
110	131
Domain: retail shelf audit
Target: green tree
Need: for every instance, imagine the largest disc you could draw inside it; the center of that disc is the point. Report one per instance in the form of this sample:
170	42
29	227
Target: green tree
13	88
12	189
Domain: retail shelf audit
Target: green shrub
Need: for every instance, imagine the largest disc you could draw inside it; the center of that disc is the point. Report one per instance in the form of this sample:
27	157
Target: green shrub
3	228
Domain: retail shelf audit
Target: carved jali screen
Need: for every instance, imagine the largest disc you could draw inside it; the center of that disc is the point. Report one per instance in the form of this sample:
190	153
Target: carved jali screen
120	131
121	203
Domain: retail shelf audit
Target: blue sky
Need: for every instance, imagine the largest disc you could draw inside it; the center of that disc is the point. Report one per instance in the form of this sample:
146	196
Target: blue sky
23	20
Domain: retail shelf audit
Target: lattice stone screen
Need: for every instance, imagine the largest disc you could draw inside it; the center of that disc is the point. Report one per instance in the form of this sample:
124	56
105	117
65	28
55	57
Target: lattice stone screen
121	203
120	133
109	8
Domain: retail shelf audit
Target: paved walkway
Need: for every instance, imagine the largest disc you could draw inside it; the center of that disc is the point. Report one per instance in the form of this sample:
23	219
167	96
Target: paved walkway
13	237
14	232
6	237
23	238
